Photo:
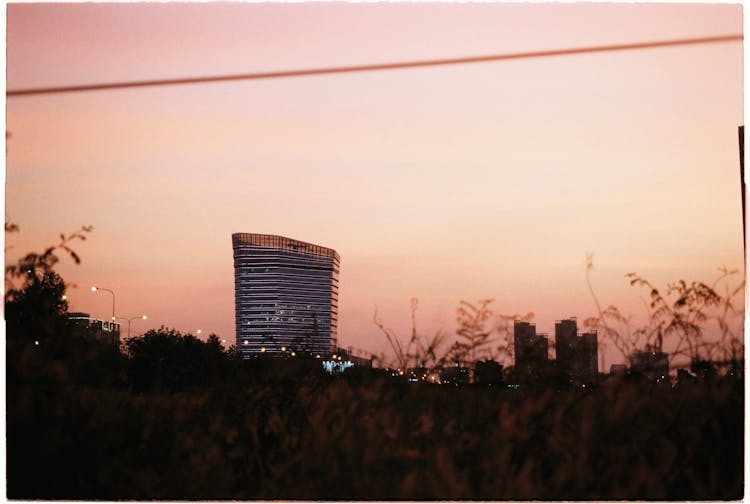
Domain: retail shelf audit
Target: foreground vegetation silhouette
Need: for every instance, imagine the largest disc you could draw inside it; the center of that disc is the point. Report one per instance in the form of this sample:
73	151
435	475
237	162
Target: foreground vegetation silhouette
170	416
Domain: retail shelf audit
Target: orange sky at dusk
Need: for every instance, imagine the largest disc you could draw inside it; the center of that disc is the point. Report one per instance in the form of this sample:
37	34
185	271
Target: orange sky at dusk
488	180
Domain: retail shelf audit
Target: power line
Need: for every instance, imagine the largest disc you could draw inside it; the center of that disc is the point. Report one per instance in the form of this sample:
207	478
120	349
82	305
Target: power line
374	67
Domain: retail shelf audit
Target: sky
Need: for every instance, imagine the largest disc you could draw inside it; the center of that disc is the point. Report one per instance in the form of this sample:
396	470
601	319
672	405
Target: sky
467	182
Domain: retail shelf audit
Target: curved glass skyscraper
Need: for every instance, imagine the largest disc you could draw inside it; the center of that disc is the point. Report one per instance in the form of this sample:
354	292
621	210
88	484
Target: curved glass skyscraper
286	294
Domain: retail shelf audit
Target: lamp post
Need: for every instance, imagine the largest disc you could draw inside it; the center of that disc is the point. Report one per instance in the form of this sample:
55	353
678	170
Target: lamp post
142	317
95	288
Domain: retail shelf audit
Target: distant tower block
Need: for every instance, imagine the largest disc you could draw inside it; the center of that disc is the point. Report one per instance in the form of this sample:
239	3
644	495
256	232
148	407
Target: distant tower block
286	295
576	355
530	349
566	333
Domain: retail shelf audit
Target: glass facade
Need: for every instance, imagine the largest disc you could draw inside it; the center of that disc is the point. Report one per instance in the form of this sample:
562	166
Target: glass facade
286	295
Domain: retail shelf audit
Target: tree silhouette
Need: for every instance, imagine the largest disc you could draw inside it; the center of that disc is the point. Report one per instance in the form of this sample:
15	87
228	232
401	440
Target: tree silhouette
166	359
34	264
37	311
681	314
419	351
472	326
35	301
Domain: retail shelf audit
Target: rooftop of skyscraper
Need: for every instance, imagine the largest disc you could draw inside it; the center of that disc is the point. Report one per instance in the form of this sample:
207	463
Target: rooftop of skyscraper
282	243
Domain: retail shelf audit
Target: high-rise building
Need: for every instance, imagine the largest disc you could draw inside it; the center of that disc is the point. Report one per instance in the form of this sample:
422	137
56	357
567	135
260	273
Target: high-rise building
530	348
286	295
566	332
576	355
588	355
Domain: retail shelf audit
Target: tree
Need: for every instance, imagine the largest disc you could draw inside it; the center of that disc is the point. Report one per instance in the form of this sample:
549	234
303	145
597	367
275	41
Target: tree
35	301
37	311
42	345
167	359
684	318
681	314
419	351
34	265
472	326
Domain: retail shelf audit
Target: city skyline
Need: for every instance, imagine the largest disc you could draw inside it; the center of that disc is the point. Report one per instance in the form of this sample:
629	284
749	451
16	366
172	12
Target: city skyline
491	180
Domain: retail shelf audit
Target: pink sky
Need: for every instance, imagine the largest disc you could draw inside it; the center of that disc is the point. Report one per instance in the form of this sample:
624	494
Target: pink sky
476	181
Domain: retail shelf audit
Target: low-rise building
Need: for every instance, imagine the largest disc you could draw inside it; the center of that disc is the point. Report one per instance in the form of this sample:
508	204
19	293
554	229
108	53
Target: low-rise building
93	329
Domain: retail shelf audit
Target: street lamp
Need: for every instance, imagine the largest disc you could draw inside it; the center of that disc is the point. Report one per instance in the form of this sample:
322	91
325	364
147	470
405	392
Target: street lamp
142	317
95	288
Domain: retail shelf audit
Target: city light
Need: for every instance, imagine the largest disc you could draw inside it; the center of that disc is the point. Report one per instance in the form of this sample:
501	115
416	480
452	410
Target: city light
130	319
94	288
334	367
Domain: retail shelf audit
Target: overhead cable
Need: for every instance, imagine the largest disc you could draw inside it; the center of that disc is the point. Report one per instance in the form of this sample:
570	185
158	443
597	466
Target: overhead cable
374	67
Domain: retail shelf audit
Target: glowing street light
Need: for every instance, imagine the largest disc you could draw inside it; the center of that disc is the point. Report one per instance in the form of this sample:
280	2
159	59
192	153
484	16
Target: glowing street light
142	317
95	289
